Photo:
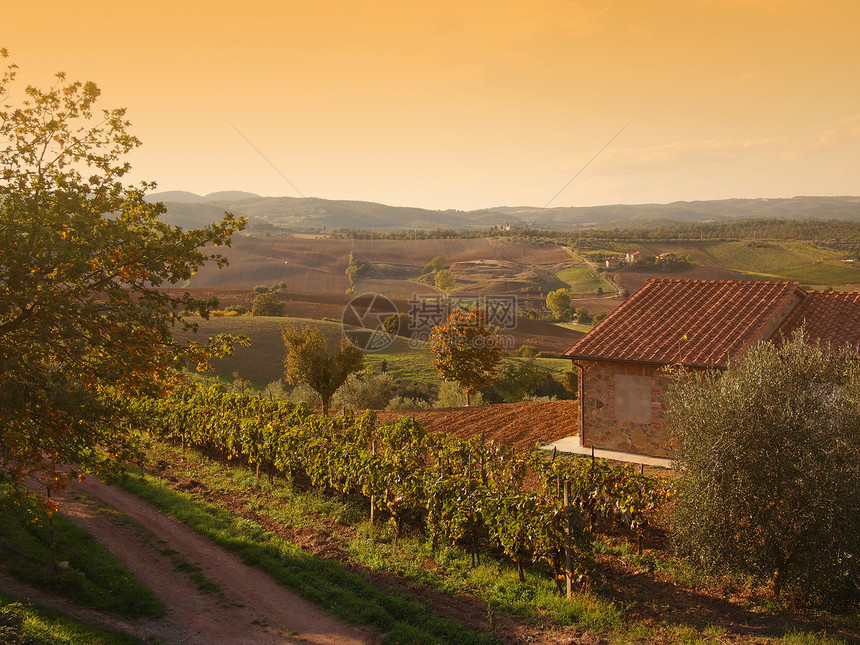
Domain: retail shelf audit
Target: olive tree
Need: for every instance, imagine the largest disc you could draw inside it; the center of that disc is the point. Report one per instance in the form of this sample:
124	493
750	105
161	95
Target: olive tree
769	452
309	361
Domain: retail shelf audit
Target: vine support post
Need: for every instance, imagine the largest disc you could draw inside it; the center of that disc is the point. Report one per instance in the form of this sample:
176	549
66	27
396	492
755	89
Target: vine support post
568	528
639	528
372	494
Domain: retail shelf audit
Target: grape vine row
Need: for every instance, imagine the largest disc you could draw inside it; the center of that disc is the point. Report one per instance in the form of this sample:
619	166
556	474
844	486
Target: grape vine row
475	493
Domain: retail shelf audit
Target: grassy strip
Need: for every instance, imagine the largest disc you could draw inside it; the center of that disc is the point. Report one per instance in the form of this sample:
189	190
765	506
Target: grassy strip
25	623
494	581
326	583
94	577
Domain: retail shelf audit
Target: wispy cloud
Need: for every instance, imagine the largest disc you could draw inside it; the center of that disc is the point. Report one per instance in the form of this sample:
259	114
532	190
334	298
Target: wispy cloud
684	154
846	133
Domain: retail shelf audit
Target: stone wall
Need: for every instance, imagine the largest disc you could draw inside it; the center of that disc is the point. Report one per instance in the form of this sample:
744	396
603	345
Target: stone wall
620	408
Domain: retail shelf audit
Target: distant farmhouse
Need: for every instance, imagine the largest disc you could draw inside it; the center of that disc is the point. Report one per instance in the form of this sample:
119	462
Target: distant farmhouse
697	324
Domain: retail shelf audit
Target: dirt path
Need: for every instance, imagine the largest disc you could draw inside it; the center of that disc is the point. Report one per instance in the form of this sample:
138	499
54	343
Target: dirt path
244	605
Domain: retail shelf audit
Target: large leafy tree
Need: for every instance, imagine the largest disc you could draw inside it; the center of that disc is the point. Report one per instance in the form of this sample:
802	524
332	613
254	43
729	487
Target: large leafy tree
83	321
769	452
559	304
309	361
466	351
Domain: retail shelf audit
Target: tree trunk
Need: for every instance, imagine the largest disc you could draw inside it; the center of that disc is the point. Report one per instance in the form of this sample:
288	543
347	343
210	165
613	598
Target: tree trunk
51	533
468	399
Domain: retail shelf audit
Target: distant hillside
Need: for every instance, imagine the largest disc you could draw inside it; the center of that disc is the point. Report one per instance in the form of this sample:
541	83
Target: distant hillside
272	213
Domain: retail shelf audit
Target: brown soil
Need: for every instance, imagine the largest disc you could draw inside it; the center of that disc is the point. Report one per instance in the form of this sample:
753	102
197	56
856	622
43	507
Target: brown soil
319	265
521	425
249	607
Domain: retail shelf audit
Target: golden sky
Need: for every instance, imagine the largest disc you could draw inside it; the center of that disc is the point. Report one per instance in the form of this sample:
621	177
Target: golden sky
466	104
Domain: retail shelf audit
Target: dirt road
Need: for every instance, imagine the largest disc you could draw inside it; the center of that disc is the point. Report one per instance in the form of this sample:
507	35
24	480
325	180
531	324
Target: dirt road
210	594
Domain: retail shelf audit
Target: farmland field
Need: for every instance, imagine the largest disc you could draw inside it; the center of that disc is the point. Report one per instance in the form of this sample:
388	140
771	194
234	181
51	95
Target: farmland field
581	279
783	261
262	362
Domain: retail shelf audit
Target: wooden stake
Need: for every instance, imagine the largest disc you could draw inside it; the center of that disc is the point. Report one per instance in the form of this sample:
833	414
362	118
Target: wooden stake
568	528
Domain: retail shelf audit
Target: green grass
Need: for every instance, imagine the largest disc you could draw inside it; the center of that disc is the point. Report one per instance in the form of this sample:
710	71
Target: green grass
406	360
326	583
27	624
94	577
575	326
494	581
581	279
786	260
263	361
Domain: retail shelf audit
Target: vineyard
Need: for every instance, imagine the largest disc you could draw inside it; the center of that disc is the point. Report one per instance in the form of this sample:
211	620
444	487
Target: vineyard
475	493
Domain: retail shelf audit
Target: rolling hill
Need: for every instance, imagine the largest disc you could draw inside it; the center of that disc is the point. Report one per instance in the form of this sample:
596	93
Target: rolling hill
272	213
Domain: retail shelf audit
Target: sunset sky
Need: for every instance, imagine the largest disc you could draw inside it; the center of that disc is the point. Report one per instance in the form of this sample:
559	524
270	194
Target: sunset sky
469	104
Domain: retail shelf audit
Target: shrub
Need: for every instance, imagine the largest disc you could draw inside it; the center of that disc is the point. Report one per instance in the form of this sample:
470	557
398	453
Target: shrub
451	395
520	380
769	452
267	304
303	393
407	404
398	325
365	392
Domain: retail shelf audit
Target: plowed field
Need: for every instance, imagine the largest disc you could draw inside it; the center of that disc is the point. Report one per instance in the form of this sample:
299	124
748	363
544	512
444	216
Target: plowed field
521	425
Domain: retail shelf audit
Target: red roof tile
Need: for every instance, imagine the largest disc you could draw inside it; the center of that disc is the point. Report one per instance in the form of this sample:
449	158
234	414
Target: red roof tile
696	323
831	317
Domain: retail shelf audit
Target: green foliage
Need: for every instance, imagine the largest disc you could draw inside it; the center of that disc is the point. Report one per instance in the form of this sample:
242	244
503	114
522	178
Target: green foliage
398	325
403	403
462	491
570	382
83	259
25	624
466	351
434	265
451	395
94	576
444	281
268	304
769	453
518	380
526	351
357	269
559	304
667	264
365	392
582	316
240	310
308	361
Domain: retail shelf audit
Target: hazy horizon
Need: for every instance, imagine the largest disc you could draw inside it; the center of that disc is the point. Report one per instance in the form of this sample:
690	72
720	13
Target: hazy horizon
460	105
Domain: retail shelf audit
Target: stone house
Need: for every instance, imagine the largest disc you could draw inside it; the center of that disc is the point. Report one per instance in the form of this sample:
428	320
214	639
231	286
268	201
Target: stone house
697	324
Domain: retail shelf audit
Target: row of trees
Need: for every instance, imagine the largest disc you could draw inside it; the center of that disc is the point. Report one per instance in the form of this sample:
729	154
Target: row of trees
837	231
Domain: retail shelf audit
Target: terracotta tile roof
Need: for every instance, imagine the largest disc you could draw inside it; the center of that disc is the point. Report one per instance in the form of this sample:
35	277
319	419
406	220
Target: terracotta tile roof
718	318
830	316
